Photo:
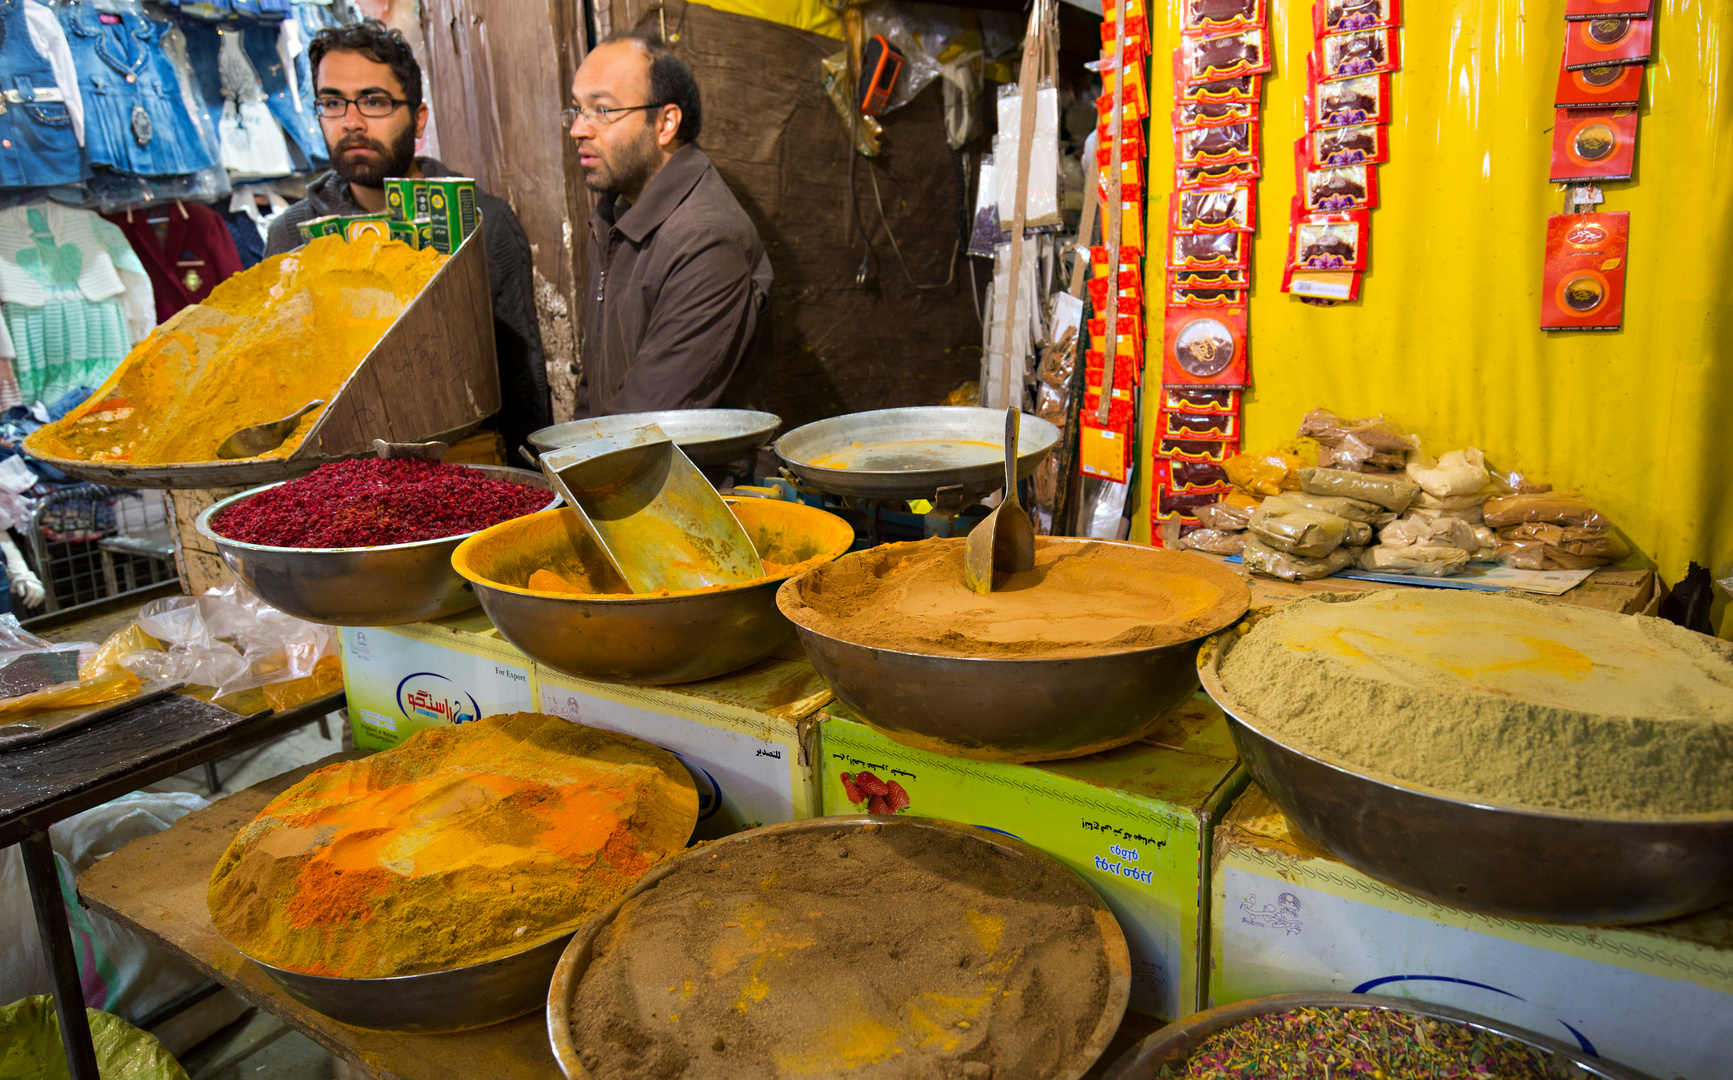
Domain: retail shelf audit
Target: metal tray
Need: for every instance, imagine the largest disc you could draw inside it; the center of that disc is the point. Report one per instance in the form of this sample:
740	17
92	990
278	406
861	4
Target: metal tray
911	453
579	952
1173	1044
1510	861
710	437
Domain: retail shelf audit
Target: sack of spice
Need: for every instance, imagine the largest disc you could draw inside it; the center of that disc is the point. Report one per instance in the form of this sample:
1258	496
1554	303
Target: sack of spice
1262	559
1372	444
1537	546
1264	474
1460	472
1299	530
1417	528
1225	517
1421	560
1342	507
1215	541
1392	493
1545	508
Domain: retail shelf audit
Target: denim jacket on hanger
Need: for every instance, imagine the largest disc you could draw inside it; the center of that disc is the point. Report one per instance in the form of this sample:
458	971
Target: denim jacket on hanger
38	147
135	118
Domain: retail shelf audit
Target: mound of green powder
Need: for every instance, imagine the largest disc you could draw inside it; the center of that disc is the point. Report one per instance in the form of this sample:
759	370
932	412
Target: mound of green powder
1496	696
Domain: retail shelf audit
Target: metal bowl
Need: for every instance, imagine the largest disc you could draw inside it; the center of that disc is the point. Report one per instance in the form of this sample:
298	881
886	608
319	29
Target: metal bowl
710	437
570	972
673	638
1510	861
1173	1044
358	586
911	453
455	1000
1004	708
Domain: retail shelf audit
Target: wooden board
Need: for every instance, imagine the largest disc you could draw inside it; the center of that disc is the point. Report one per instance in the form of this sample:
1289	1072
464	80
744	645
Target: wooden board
196	558
155	886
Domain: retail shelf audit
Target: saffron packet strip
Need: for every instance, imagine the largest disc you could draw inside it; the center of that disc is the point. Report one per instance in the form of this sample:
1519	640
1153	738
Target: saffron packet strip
1182	425
1220	144
1599	42
1209	279
1593	144
1609	87
1364	99
1583	283
1364	145
1576	10
1208	18
1366	52
1205	347
1337	241
1193	477
1230	56
1194	400
1223	209
1347	16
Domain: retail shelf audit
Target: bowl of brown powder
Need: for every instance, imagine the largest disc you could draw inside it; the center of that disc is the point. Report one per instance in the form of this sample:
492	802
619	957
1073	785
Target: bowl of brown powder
1087	651
1496	752
886	949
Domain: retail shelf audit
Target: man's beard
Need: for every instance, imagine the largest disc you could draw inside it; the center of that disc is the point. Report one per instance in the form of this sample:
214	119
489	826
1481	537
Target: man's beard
393	161
630	169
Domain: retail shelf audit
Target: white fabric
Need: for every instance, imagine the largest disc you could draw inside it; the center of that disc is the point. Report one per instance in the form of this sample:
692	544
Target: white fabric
252	142
49	37
107	255
289	47
8	380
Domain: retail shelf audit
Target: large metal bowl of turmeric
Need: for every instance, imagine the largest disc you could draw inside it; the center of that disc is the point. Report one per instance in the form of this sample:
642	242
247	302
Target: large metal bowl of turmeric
550	592
357	586
1087	651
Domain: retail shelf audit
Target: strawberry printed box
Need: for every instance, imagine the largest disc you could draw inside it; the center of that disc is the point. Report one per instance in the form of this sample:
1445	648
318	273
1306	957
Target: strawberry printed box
1136	823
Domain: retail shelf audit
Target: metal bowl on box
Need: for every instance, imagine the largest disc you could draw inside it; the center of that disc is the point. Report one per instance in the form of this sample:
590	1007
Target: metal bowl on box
710	437
647	639
1510	861
581	949
357	586
1175	1043
911	453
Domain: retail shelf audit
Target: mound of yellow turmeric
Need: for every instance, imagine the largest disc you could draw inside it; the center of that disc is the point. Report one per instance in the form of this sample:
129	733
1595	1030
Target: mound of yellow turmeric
265	342
464	844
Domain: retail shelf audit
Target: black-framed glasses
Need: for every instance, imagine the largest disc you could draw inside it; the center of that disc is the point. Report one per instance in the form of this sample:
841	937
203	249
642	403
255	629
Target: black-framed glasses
332	107
600	115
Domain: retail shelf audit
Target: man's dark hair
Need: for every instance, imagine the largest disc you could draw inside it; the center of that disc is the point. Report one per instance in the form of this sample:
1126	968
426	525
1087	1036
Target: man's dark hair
378	43
671	82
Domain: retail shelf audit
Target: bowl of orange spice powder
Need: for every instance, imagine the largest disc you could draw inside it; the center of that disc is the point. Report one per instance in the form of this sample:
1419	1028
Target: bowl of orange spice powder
433	886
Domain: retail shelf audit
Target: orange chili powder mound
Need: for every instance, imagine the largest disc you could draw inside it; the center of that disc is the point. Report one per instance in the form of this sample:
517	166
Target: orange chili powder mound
462	845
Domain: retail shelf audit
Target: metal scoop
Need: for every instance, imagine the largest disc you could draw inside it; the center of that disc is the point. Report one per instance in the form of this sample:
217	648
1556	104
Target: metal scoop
264	438
651	511
1005	539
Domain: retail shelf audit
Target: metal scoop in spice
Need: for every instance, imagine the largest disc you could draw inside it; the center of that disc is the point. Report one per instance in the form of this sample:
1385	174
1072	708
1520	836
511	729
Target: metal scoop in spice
651	511
264	438
1005	539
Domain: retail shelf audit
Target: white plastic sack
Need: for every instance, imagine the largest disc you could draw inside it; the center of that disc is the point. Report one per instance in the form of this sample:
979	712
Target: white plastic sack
1421	560
1460	472
228	639
1042	204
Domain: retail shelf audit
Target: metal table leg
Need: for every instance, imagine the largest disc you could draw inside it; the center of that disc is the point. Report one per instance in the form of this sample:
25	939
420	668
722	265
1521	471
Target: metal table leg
44	882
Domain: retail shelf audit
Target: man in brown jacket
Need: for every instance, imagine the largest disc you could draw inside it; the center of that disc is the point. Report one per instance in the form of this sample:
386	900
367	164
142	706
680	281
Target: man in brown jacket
678	283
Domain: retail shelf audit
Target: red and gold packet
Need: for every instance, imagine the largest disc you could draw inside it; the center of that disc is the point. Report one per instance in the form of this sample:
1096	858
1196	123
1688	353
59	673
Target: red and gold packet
1347	16
1205	347
1599	42
1608	9
1211	18
1613	86
1583	283
1216	145
1364	99
1194	400
1367	144
1229	56
1223	209
1365	52
1593	144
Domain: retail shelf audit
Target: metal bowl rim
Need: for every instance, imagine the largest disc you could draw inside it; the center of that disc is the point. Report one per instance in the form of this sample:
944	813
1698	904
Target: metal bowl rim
764	431
623	599
904	411
202	522
1209	661
1241	1011
562	988
383	982
1022	662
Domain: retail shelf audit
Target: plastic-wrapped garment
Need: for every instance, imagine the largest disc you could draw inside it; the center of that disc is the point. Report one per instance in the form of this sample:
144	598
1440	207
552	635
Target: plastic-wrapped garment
1297	530
1215	541
1260	559
1392	493
1421	560
1226	517
252	140
75	297
202	45
1042	204
49	37
39	145
1342	507
1264	474
186	261
135	118
260	41
1460	472
1550	508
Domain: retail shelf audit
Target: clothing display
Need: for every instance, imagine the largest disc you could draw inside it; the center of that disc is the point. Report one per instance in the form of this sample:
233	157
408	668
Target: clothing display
49	37
253	142
74	294
188	257
38	143
249	223
293	112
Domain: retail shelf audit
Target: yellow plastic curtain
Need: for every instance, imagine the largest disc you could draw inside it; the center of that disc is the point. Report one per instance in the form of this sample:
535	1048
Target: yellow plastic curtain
1445	338
813	15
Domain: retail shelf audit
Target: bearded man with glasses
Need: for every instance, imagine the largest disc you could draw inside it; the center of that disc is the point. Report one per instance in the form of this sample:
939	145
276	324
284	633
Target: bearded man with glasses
678	283
367	92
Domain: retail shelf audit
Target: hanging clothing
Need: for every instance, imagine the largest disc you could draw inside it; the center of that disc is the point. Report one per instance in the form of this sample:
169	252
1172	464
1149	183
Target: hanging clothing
249	225
49	37
187	261
135	119
38	143
74	297
296	116
253	143
202	48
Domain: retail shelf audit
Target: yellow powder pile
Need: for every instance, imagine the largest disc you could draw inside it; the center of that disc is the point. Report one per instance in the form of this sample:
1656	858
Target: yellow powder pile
265	342
464	844
1498	697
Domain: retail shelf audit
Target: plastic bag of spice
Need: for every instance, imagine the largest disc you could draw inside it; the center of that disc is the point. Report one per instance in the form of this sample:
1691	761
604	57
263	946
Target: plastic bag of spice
1421	560
1392	493
1550	508
1215	541
1537	546
1373	442
1351	509
1264	474
1297	530
1225	517
1460	472
1261	559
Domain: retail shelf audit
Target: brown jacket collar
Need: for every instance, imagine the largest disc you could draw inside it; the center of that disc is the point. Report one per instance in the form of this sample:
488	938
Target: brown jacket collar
666	190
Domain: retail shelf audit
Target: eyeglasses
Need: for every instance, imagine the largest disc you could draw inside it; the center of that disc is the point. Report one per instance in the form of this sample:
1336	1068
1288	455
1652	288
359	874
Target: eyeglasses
332	107
600	115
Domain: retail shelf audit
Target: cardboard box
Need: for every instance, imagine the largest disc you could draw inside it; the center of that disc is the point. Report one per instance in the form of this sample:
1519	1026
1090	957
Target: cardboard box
745	737
1287	917
1135	822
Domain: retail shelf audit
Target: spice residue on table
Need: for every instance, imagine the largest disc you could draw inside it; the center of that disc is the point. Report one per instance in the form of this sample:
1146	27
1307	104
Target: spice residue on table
882	954
265	342
1322	1044
369	502
1498	697
464	844
1081	599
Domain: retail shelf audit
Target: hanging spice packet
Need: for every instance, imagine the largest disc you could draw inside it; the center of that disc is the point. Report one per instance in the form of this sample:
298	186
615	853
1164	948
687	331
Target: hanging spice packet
1136	87
1247	88
1209	279
1136	39
1209	251
1192	478
1583	285
1576	10
1195	176
1211	59
1216	145
1134	9
1322	286
1365	145
1593	144
1134	147
1130	291
1610	87
1200	114
1347	16
1183	425
1205	347
1349	187
1364	53
1337	241
1197	450
1121	409
1204	18
1104	450
1197	400
1599	42
1345	102
1229	209
1202	298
